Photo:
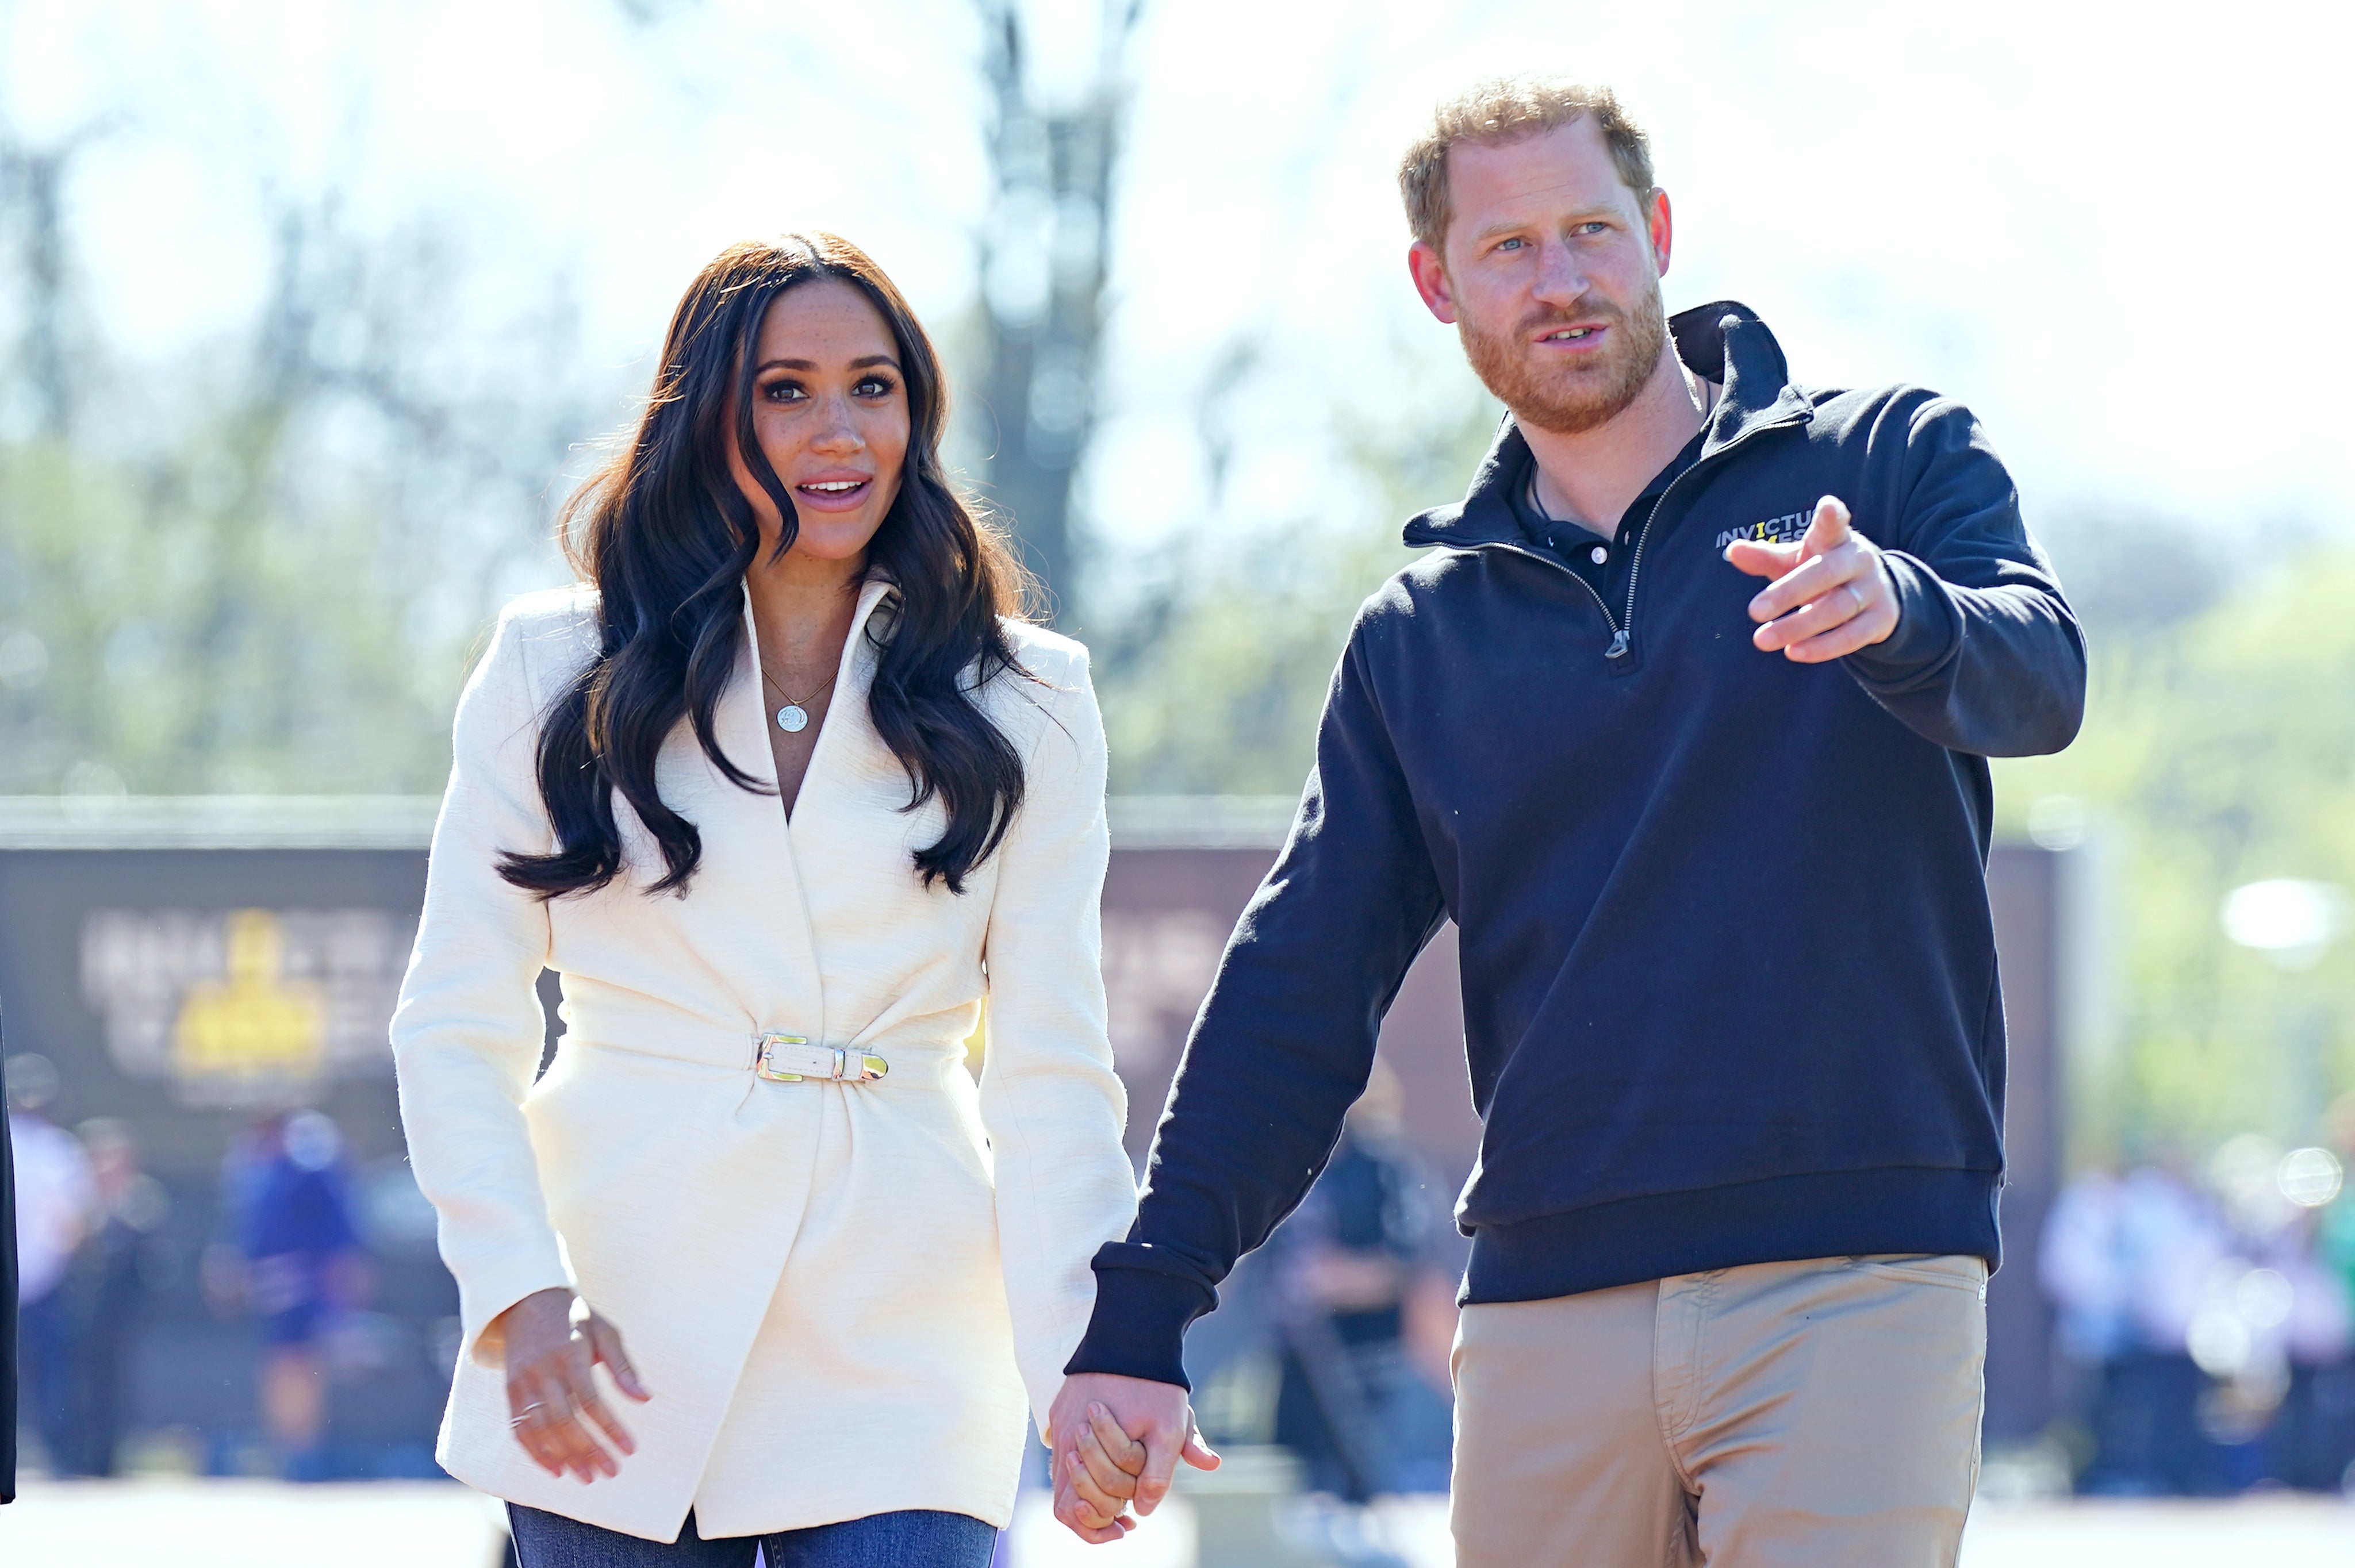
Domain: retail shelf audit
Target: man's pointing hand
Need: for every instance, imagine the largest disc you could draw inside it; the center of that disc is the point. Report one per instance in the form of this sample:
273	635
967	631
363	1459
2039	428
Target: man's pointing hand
1829	595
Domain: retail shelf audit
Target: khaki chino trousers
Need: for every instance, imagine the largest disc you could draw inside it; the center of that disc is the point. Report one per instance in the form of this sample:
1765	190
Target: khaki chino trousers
1814	1415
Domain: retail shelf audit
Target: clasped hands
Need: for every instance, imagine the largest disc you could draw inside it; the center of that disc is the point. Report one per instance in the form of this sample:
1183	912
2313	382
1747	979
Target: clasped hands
1116	1441
1830	594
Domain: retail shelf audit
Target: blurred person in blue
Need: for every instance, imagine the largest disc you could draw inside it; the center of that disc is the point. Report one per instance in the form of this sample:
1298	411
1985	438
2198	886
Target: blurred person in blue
2309	1443
2335	1250
56	1208
294	1260
1684	719
2312	1441
2081	1269
2127	1262
785	790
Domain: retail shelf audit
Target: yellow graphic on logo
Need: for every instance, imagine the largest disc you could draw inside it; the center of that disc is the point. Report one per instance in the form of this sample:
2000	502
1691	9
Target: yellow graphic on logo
255	1024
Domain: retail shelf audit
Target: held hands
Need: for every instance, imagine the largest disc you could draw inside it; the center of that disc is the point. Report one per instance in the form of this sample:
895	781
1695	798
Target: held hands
553	1344
1100	1469
1829	595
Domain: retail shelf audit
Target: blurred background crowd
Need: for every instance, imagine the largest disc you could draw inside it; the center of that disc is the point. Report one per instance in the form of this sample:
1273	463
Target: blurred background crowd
2204	1311
278	1266
2207	1309
309	314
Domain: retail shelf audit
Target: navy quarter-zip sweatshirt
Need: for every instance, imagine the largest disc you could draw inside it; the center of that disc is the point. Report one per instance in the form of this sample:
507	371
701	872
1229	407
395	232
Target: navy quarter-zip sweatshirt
1729	972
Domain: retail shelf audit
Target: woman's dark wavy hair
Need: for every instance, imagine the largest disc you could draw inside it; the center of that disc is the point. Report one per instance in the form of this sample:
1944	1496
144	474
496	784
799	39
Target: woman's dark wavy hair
666	534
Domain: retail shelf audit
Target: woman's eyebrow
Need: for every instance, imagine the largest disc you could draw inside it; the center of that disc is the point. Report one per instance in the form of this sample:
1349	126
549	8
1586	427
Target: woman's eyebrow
864	362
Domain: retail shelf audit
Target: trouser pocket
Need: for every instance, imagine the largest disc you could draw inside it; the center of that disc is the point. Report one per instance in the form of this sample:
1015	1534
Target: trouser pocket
1954	1270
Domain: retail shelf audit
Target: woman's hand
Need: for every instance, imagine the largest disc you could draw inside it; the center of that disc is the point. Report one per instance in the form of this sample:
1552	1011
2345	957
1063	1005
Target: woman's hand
553	1343
1103	1471
1099	1423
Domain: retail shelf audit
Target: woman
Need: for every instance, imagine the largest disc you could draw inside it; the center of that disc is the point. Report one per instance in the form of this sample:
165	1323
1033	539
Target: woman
784	793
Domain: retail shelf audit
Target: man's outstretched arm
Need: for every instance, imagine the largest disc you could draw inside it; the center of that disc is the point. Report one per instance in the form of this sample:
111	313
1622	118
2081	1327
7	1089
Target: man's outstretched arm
1947	614
1280	1051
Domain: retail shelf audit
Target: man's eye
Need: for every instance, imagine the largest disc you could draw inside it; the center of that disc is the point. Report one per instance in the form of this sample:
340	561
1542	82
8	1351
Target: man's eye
1596	228
1510	245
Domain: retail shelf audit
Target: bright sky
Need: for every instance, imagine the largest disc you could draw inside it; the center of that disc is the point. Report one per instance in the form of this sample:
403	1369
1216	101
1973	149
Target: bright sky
2110	229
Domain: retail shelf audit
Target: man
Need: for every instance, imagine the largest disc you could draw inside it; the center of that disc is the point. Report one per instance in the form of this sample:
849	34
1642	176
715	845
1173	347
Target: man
54	1202
130	1206
1715	849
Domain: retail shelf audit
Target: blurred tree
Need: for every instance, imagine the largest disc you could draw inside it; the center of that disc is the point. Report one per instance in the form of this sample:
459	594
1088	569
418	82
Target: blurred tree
1045	259
263	569
1214	663
2219	749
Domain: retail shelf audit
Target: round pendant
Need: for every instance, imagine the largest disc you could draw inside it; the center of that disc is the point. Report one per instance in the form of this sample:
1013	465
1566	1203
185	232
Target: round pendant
792	718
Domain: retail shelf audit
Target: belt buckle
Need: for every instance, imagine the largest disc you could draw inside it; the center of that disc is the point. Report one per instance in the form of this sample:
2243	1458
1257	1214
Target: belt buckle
790	1059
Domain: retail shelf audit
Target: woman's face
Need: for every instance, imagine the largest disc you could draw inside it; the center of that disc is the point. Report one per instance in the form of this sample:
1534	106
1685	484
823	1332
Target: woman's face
830	412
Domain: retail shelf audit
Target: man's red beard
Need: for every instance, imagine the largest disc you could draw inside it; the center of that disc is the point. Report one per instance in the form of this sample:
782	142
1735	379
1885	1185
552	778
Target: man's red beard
1567	401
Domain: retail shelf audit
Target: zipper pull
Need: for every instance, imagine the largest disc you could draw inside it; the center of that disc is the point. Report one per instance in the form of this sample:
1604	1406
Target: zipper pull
1618	649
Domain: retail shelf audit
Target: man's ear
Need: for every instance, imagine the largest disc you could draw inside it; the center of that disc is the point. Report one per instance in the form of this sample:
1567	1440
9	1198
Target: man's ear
1662	231
1431	281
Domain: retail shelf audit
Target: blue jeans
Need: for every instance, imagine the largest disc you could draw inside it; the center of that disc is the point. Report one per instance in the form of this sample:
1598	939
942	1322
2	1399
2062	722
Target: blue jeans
916	1538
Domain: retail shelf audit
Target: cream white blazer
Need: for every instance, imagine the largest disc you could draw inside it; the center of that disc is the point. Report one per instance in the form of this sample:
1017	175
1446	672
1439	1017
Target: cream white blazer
837	1293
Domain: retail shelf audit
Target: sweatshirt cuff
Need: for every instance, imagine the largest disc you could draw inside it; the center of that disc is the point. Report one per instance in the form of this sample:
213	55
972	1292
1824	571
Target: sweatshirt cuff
1143	1307
1928	636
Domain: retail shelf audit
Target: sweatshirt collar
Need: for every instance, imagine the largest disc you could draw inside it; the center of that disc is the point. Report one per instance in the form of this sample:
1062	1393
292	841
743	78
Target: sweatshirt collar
1722	340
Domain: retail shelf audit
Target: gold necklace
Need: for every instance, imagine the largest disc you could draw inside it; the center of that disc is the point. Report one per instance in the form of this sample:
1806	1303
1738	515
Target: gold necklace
794	717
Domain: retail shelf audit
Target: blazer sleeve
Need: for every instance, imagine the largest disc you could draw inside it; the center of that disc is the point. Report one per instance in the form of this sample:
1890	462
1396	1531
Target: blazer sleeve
468	1031
1050	1103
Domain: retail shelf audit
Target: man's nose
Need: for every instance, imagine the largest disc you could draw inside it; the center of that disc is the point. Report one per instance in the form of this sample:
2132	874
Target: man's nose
1560	279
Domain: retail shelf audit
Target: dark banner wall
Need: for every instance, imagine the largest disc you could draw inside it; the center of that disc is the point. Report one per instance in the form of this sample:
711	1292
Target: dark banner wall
188	992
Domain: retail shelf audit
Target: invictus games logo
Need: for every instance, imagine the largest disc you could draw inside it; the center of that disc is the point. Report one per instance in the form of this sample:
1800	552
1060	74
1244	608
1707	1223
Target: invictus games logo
1786	529
247	1006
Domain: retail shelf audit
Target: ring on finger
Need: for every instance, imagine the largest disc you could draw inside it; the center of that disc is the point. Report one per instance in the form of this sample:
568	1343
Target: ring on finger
1856	594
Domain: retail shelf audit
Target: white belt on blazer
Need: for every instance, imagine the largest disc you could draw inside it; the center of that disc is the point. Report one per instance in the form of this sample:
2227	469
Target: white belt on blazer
790	1059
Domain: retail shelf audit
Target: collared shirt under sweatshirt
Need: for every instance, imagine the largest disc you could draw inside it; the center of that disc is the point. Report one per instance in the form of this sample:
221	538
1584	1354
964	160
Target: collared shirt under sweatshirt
1728	968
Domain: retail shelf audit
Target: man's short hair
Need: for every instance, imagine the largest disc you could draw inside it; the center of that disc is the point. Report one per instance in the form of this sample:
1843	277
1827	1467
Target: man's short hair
1506	108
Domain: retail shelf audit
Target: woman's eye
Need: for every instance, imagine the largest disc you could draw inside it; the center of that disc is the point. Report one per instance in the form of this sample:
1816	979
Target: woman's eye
783	392
873	386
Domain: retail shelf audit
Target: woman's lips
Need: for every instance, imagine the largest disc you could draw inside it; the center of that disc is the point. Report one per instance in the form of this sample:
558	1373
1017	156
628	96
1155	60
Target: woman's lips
832	494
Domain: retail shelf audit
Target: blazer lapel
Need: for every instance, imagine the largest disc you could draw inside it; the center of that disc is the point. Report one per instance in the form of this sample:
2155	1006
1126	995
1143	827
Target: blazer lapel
850	755
755	904
744	913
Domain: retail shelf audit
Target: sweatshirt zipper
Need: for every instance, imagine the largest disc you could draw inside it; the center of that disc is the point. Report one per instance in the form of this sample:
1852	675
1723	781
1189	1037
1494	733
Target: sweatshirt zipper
1620	634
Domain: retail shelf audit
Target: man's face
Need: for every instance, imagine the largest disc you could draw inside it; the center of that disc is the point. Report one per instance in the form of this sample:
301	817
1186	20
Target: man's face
1551	275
